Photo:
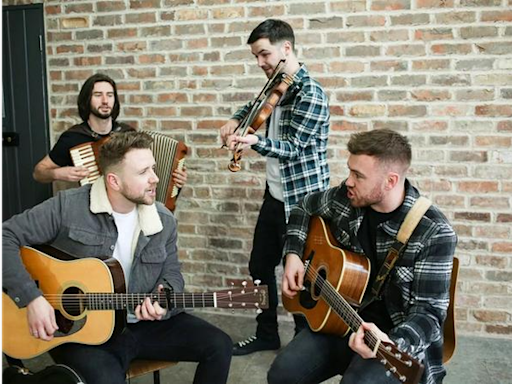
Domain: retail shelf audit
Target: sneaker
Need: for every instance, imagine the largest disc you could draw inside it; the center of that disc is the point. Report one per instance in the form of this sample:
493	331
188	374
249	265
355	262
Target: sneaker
253	344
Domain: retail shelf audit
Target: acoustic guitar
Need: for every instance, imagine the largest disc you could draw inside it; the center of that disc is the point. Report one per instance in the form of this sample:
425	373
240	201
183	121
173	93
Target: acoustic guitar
90	301
335	281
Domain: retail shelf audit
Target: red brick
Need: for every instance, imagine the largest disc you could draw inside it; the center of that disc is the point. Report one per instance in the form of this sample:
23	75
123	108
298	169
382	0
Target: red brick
431	95
496	16
391	5
451	49
138	4
502	247
494	110
504	218
478	186
486	316
434	3
499	329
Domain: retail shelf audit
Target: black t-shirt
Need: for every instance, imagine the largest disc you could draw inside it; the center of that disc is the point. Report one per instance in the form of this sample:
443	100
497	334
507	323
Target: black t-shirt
375	312
76	135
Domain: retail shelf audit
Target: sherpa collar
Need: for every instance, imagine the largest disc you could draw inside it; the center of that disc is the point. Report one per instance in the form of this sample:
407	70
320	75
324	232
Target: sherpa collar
149	220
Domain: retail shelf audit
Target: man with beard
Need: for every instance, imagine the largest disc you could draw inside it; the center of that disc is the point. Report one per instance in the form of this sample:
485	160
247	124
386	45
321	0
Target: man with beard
116	216
98	106
295	147
364	214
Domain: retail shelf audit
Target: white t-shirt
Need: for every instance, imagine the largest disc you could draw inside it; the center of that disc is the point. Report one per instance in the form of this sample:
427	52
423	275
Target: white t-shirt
273	175
126	224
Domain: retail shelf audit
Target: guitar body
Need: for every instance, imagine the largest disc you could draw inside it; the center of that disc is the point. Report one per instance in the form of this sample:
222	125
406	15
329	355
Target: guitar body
90	301
76	325
348	272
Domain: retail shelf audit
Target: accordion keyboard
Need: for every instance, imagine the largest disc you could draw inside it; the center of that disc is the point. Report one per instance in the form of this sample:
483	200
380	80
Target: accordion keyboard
84	156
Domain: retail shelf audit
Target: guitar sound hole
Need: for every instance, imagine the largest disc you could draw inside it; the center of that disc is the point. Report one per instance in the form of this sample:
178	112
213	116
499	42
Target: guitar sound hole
73	301
319	282
305	298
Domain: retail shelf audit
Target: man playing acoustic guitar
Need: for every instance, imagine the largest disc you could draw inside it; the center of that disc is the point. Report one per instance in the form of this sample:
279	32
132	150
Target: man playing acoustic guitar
364	215
118	217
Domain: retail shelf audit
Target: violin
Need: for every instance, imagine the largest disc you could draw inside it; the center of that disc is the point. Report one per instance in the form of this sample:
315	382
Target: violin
261	108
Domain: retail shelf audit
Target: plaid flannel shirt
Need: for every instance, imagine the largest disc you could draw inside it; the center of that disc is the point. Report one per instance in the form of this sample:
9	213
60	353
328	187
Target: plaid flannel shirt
301	146
418	291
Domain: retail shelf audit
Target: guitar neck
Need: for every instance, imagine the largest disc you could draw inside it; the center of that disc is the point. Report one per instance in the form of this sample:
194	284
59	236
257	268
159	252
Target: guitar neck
120	301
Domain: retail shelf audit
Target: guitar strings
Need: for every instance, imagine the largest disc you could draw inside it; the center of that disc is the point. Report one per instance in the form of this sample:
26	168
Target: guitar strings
94	300
334	297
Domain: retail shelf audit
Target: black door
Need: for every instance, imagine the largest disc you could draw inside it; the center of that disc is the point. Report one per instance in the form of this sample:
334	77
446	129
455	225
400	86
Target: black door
25	138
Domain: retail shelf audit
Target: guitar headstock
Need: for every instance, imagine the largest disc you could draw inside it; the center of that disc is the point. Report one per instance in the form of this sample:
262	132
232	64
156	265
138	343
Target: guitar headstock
245	297
406	369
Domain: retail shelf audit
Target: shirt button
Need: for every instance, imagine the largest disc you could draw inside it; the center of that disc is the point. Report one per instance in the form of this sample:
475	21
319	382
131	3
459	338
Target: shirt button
112	247
17	299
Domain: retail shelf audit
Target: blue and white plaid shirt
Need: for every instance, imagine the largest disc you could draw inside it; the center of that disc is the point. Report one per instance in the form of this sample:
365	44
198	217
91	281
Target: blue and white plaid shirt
418	292
301	146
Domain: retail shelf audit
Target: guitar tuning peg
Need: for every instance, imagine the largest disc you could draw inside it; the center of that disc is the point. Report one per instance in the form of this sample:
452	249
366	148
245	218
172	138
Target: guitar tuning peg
257	282
259	310
244	284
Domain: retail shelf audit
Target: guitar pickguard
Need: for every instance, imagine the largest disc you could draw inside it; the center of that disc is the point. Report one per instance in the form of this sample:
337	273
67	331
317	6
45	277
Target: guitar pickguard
66	326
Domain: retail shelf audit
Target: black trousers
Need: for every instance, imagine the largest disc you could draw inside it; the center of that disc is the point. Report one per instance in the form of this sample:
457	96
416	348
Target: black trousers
183	337
266	254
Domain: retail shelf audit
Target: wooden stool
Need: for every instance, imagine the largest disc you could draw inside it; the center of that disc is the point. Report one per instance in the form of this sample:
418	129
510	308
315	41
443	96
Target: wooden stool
141	367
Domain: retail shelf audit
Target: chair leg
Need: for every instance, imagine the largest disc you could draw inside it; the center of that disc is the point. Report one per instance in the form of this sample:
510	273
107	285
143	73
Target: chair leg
156	377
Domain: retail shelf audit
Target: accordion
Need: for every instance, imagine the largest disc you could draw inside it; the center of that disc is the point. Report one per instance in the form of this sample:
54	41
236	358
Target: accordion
169	156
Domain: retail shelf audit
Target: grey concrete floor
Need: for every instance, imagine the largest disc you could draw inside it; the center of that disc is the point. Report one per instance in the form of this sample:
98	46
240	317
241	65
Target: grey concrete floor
477	360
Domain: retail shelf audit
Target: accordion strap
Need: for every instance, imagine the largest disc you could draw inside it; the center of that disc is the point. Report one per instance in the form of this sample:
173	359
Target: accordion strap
410	222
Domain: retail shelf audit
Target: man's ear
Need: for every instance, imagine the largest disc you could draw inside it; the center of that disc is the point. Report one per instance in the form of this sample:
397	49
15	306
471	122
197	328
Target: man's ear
392	180
113	181
287	47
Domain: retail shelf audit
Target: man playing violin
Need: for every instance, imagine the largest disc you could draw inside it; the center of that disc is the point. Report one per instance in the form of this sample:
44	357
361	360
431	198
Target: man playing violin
295	146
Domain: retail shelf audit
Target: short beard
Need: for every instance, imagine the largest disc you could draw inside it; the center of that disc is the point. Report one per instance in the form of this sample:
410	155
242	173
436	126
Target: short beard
375	197
99	115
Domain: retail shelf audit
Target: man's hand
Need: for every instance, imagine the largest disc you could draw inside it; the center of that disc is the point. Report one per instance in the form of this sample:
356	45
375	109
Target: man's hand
227	130
293	276
246	141
70	173
180	177
46	171
41	319
356	341
150	311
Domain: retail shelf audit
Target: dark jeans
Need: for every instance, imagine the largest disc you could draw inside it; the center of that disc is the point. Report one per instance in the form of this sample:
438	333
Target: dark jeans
181	338
315	357
266	255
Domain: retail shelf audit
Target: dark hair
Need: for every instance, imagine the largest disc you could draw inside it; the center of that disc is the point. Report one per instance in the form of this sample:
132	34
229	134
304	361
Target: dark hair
113	151
386	145
85	95
273	30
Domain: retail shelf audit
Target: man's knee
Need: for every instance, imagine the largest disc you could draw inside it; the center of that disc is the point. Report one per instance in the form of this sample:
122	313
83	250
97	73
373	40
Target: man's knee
280	372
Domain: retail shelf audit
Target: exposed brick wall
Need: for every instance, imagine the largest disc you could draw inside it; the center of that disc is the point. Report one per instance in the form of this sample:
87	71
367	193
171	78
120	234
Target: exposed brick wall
439	71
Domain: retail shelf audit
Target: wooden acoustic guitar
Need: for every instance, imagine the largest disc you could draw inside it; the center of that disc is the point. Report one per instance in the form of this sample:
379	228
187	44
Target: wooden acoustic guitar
335	281
90	301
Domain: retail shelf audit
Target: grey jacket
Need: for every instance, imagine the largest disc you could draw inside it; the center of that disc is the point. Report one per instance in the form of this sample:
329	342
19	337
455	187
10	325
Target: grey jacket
80	222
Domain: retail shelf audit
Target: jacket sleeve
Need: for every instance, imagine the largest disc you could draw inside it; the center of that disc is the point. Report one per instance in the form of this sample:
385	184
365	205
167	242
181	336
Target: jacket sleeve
309	113
171	273
430	294
313	204
38	225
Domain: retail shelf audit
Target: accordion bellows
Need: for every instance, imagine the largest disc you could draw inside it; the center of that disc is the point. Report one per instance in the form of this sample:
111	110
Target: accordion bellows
169	155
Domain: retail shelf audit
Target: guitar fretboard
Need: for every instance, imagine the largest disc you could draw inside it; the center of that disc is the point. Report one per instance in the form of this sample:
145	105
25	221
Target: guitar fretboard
119	301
